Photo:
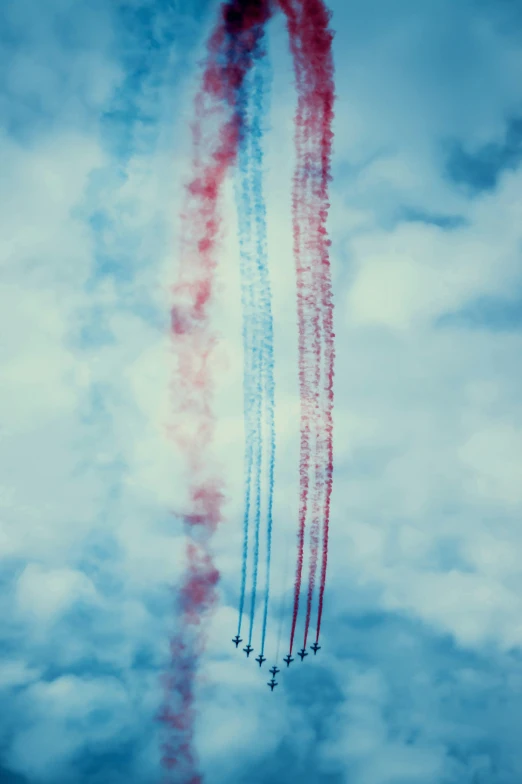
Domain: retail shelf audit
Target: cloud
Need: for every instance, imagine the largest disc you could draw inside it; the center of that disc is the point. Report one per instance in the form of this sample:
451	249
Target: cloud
68	714
481	170
44	594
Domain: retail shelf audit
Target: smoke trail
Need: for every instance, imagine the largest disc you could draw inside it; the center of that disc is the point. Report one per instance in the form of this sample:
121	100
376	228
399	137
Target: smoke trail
264	329
260	93
313	317
317	37
215	141
306	313
257	326
284	598
321	102
310	41
249	285
258	458
253	343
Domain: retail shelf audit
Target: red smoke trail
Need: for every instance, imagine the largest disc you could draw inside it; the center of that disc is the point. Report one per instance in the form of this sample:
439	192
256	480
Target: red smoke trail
215	140
306	393
307	342
311	43
323	99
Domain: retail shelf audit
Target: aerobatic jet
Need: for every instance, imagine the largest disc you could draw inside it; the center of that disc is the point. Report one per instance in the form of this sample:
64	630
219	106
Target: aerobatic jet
288	659
272	684
274	670
302	653
260	659
315	647
237	639
248	650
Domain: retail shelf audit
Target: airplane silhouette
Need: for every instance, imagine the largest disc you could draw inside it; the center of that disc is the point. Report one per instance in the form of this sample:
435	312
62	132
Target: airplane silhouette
302	653
274	670
288	659
237	639
248	650
272	684
315	647
260	659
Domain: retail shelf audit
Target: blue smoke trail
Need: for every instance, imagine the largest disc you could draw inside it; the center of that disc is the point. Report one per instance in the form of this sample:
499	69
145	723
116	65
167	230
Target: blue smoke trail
248	287
259	390
249	165
260	93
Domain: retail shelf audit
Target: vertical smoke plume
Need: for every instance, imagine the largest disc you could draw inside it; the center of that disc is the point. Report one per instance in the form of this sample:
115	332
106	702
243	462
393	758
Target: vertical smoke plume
216	131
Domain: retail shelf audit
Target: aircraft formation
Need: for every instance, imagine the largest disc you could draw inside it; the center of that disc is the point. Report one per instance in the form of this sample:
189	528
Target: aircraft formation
272	683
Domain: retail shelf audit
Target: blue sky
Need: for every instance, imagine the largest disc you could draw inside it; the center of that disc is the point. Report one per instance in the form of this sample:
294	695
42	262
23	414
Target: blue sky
420	678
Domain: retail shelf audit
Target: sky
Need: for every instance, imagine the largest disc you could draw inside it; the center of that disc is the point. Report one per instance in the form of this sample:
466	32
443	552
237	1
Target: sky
419	680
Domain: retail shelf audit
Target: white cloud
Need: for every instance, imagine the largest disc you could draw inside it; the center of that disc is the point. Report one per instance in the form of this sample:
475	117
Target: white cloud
67	713
407	277
43	594
17	673
360	737
494	459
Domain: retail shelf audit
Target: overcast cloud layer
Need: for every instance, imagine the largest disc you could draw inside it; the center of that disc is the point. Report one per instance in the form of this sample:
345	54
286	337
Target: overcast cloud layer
420	677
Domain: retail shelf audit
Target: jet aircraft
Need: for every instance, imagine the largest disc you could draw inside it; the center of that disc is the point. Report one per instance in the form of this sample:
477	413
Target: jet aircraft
288	659
274	670
272	684
248	650
315	647
237	639
302	653
260	659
